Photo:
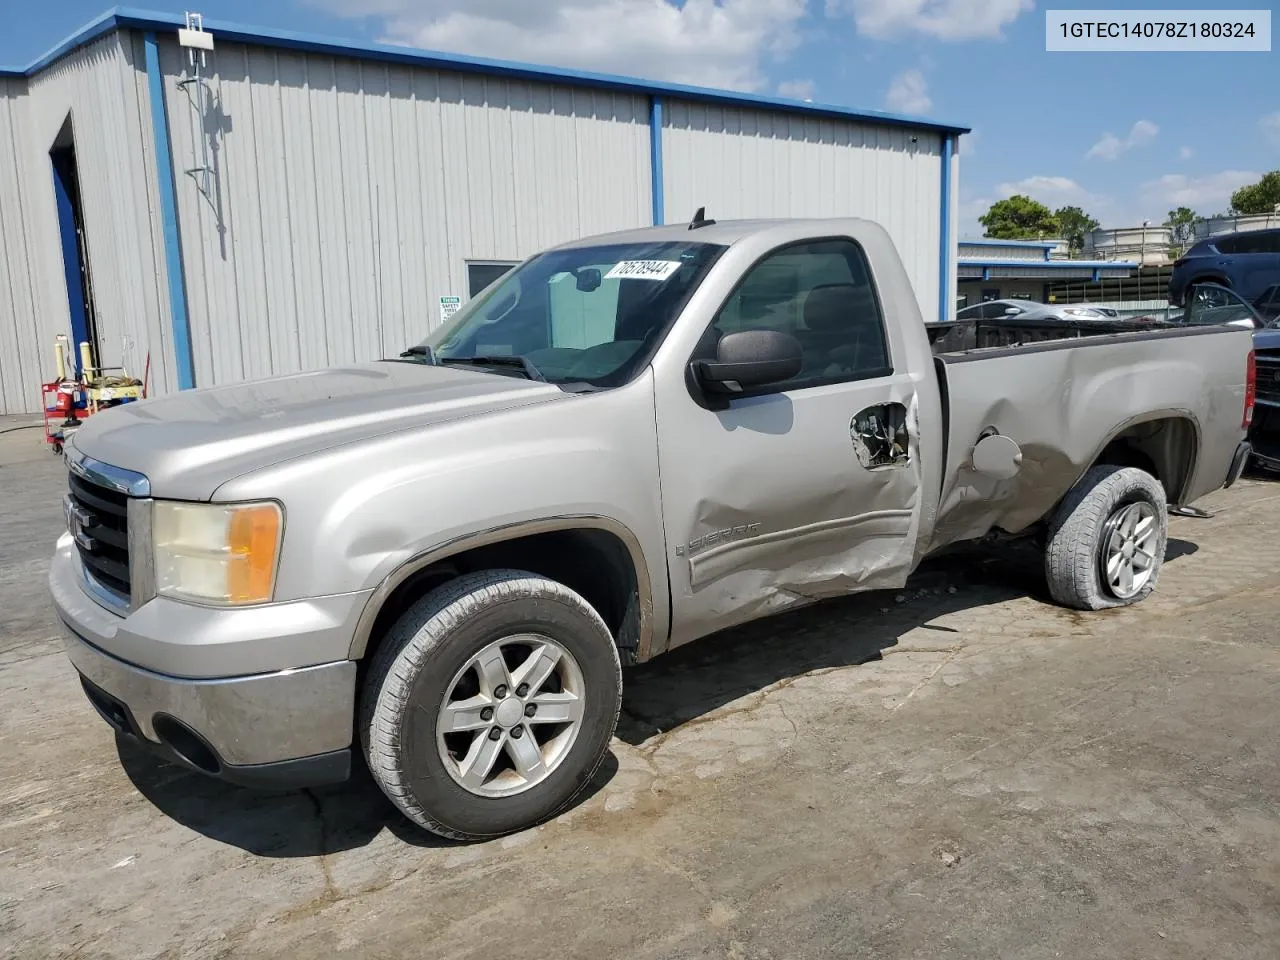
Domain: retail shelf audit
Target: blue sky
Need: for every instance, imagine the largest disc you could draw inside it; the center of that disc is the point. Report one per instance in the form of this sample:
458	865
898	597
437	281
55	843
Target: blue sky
1126	136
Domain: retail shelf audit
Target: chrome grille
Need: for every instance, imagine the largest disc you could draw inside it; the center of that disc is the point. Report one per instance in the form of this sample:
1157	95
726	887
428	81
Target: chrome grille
97	518
1269	377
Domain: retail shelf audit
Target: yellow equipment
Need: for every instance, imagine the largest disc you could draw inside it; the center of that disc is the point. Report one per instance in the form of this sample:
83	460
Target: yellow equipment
102	390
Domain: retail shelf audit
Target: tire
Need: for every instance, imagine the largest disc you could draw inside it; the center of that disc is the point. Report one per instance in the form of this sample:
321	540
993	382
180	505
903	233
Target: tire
427	661
1080	535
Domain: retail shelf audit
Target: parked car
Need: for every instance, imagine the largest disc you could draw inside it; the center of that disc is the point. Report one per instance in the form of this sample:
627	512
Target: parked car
1268	303
1247	263
1034	310
996	309
439	562
1211	304
1264	431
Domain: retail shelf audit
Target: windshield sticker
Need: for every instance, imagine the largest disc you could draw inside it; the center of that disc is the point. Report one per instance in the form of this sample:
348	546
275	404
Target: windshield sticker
643	270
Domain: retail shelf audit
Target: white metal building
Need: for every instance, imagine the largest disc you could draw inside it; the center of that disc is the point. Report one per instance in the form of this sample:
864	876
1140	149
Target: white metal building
1025	270
295	202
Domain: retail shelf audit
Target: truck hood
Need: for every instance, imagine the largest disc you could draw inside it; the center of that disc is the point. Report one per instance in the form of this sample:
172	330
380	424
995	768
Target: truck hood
191	443
1267	339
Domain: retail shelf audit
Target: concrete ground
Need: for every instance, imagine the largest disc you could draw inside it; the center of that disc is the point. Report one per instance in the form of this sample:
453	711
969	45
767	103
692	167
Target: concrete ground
960	770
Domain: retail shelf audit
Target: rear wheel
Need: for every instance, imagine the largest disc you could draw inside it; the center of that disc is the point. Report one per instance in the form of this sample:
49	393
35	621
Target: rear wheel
490	705
1106	542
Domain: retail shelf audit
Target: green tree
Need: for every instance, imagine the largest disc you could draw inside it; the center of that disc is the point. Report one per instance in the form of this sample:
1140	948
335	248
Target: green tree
1018	218
1073	226
1260	197
1181	224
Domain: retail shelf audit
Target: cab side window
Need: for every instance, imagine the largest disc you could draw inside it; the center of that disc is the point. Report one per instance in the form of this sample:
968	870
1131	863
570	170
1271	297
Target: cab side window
820	293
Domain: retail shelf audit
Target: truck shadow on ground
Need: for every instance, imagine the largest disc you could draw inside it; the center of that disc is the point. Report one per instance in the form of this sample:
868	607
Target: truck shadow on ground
674	689
692	681
294	823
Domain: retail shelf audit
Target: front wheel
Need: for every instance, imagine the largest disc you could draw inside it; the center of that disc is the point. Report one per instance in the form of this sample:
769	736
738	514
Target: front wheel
490	705
1107	540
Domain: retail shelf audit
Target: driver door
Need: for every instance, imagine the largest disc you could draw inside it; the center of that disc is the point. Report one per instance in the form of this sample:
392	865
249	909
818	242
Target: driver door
804	489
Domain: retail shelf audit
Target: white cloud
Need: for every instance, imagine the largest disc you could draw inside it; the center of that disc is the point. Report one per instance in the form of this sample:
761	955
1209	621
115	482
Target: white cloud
908	93
716	43
968	144
1185	153
1206	195
1270	127
796	89
1110	146
941	19
1051	191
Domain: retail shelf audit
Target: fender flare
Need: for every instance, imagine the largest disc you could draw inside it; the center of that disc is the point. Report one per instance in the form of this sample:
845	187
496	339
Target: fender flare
1150	416
420	561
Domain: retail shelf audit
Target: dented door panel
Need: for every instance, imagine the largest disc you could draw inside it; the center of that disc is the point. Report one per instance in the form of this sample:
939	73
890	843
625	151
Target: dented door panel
768	505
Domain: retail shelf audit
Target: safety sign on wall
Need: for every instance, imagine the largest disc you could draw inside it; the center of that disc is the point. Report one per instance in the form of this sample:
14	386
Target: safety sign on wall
448	307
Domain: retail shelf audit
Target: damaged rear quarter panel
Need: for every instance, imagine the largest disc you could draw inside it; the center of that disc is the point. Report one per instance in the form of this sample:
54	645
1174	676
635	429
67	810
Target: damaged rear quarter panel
1062	402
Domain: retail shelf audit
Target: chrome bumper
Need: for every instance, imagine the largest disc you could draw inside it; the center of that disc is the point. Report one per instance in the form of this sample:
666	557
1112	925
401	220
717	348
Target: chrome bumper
264	695
297	722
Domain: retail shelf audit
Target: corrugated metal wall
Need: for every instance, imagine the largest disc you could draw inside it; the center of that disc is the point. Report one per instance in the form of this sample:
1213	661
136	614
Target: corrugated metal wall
22	333
982	251
102	88
747	163
346	196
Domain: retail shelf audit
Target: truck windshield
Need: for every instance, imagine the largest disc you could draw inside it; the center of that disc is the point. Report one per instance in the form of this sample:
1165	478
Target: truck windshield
585	315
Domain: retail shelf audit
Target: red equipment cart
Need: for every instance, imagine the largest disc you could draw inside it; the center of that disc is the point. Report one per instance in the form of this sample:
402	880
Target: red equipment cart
64	408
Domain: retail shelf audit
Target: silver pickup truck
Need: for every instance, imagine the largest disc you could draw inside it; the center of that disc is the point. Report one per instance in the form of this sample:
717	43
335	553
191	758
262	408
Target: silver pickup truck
443	560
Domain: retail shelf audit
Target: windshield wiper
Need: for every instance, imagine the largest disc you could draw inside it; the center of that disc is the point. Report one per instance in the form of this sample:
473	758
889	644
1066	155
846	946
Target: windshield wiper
499	360
422	350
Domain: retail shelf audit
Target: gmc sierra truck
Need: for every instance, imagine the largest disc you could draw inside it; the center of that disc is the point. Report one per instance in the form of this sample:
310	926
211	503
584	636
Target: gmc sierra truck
438	563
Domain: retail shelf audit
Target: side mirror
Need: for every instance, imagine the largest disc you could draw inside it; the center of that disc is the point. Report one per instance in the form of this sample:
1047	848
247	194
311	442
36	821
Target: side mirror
587	279
750	358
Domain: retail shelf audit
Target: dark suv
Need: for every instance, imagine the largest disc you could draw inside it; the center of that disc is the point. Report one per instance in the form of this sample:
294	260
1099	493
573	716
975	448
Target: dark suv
1247	263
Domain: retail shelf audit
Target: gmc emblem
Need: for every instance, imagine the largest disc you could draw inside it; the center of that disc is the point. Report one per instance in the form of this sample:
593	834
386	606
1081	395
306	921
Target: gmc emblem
79	520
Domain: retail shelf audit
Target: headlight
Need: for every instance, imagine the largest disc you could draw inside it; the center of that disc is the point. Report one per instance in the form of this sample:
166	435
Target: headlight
216	553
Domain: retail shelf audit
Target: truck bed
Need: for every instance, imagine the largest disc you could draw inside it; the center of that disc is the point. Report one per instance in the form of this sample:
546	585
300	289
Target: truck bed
1063	399
956	336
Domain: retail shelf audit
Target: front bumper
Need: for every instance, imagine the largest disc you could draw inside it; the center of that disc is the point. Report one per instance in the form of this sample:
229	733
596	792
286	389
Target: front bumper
1264	434
285	729
258	696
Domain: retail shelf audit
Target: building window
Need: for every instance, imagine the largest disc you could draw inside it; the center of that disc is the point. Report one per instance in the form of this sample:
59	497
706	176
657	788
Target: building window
482	273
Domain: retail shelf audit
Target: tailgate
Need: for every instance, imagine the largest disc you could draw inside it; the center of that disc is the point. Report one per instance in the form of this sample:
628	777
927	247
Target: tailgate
1063	402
